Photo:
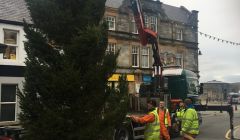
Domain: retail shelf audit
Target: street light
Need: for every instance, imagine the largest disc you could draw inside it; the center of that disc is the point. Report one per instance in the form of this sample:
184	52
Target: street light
199	52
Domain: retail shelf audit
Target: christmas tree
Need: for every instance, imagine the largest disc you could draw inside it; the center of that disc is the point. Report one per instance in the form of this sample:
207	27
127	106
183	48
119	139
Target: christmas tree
66	93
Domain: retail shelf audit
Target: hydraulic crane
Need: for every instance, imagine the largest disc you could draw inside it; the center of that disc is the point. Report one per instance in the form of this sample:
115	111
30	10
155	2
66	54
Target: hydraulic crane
148	36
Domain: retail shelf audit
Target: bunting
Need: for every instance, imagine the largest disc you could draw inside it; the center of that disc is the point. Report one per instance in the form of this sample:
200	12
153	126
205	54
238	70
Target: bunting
218	39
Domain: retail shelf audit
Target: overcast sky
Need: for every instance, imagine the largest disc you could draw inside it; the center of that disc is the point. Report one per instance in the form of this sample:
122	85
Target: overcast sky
219	18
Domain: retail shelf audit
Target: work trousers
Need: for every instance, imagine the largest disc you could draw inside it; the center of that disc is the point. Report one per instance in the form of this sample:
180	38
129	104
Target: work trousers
164	133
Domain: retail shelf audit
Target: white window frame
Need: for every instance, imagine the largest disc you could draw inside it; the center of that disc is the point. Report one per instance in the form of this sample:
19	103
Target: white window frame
179	34
134	29
111	48
11	45
179	59
145	55
111	21
146	21
9	103
135	56
150	22
153	23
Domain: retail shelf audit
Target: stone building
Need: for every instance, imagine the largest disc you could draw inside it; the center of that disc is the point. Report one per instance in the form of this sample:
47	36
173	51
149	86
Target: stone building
217	90
177	29
235	87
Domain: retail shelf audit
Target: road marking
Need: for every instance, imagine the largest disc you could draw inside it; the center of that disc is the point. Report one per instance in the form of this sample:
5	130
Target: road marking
227	134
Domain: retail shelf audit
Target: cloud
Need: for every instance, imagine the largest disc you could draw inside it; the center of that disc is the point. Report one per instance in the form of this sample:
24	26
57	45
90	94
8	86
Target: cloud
232	78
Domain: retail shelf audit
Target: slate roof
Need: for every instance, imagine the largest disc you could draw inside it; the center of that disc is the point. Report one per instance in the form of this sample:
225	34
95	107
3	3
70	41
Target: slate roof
14	10
179	14
176	14
114	3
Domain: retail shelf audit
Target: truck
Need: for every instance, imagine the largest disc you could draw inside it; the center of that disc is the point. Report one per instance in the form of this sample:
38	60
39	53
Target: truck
178	84
171	84
233	98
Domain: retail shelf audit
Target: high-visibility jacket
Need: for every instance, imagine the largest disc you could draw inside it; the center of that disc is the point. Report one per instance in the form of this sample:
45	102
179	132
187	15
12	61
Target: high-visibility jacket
190	123
180	113
152	130
165	122
164	117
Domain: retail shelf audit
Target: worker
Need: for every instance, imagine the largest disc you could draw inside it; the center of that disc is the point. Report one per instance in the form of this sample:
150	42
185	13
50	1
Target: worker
152	129
190	124
179	113
165	121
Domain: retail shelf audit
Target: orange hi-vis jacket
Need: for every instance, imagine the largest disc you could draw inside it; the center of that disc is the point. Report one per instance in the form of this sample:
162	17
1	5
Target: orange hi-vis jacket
146	119
165	121
163	117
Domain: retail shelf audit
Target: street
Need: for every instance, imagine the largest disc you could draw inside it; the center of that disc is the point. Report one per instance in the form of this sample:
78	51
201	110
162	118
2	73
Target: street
216	125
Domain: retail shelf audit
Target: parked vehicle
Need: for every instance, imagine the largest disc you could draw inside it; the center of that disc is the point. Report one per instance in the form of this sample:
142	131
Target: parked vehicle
233	98
11	133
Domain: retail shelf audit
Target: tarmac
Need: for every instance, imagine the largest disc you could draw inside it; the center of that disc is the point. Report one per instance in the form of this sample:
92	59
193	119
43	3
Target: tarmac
236	110
236	132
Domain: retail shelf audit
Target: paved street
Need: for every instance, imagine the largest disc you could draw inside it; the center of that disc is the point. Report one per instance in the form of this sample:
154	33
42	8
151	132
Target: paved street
216	126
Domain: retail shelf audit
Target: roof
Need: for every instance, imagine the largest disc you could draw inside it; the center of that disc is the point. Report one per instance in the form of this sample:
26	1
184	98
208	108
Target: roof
179	71
216	82
114	3
176	14
179	14
172	72
233	93
14	10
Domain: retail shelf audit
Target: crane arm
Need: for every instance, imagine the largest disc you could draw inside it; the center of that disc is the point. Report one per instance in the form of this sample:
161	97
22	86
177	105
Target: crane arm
148	36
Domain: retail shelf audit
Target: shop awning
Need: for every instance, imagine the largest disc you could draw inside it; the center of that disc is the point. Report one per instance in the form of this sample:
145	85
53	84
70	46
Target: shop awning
115	77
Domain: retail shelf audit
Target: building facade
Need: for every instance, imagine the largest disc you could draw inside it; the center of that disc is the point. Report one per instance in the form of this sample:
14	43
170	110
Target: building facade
177	30
215	91
12	57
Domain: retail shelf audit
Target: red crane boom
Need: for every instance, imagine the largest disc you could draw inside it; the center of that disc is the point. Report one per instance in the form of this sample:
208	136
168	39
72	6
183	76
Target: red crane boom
148	36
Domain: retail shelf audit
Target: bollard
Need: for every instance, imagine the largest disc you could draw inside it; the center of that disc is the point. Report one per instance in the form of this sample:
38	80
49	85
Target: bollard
235	107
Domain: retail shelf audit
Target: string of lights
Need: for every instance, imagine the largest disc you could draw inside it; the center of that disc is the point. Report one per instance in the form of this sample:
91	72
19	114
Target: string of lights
218	39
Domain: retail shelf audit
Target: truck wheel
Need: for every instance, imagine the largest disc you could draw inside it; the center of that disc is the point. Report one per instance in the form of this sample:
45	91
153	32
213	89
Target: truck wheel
122	133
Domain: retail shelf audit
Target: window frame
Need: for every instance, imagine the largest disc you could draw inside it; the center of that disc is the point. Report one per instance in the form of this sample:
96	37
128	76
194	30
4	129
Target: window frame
111	19
10	45
111	48
134	26
153	21
135	55
150	22
145	55
9	103
146	21
179	34
179	58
